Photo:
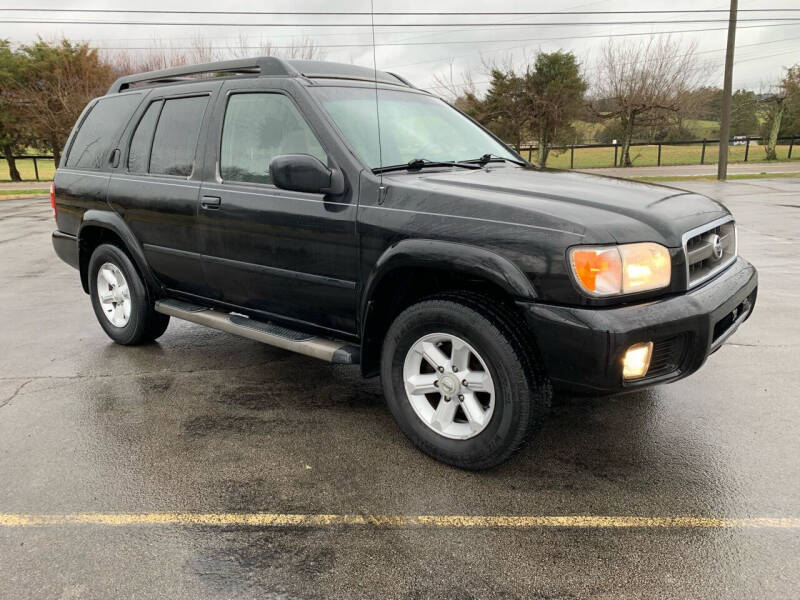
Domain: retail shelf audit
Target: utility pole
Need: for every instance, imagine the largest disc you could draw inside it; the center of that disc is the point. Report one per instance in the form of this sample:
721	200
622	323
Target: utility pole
725	118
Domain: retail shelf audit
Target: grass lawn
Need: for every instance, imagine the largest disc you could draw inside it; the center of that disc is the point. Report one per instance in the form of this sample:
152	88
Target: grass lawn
647	156
25	167
16	192
21	194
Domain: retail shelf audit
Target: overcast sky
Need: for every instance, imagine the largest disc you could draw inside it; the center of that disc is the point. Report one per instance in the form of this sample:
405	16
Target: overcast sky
418	53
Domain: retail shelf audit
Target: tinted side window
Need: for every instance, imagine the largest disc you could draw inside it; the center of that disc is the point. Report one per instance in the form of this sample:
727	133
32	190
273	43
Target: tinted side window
176	136
99	130
140	143
259	127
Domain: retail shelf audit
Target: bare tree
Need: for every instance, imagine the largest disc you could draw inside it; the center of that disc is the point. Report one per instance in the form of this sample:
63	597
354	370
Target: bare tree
125	62
451	87
643	83
199	50
302	48
787	97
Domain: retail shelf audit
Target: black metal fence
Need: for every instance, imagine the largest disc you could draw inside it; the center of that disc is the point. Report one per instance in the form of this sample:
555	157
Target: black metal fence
529	151
35	158
703	144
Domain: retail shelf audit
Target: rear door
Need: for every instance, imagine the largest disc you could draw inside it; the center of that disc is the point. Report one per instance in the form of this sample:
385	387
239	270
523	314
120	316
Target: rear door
156	188
82	177
286	254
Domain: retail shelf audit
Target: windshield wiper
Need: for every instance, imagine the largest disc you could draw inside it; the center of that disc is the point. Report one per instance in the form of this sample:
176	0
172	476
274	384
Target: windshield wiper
487	158
421	163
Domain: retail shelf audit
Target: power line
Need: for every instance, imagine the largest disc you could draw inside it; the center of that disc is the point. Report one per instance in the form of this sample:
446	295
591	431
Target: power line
603	36
789	20
716	66
764	56
440	43
433	31
392	13
401	43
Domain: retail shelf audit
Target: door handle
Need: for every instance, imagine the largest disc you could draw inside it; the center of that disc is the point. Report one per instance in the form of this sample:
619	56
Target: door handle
210	202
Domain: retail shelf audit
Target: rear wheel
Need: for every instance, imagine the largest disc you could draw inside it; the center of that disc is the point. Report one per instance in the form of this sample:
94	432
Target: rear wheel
120	299
463	384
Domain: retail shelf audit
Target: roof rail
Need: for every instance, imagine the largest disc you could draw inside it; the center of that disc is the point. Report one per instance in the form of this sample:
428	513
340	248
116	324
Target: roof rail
263	66
402	79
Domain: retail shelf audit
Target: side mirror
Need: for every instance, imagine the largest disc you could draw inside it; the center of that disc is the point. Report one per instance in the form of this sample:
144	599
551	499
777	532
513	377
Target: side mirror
304	173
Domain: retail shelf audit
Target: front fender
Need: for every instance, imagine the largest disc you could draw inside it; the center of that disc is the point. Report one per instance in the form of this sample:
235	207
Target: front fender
113	223
453	257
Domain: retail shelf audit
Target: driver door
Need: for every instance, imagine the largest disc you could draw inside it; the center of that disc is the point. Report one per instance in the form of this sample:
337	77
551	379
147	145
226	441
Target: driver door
282	253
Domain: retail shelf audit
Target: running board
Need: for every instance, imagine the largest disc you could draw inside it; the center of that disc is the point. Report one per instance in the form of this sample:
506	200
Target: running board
333	351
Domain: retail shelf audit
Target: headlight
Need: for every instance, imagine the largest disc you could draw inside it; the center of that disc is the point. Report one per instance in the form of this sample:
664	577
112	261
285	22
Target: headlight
625	269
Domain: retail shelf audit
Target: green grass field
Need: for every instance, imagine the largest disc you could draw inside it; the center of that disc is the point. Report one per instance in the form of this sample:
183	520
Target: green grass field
703	129
647	156
26	170
17	192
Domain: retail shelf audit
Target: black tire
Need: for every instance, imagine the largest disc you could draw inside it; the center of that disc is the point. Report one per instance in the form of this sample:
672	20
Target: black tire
523	392
144	323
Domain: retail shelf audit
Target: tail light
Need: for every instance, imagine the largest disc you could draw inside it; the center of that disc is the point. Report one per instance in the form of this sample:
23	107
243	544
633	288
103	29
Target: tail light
53	199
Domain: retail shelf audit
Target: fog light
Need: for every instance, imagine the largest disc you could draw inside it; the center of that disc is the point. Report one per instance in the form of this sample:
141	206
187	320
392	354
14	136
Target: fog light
637	360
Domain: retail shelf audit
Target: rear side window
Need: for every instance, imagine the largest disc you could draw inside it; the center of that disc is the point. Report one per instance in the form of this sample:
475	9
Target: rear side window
176	136
99	130
257	128
140	143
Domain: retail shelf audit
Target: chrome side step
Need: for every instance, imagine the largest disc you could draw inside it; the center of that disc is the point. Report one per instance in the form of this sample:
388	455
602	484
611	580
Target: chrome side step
318	347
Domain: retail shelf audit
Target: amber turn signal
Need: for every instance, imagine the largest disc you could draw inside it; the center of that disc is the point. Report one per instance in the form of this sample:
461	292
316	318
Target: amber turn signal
625	269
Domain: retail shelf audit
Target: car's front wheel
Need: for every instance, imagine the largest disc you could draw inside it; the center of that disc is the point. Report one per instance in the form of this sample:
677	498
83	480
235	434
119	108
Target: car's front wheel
120	299
462	382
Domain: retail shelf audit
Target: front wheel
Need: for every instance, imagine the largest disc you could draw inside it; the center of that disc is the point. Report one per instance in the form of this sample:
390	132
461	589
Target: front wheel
120	299
463	384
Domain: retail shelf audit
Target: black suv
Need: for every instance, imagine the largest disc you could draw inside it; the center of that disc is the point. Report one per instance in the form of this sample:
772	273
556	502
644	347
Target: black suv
341	213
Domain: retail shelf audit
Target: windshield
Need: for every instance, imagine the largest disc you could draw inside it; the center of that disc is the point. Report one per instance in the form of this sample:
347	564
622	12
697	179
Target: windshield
413	126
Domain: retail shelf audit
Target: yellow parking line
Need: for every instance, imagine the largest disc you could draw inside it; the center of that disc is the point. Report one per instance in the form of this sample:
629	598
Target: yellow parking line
444	521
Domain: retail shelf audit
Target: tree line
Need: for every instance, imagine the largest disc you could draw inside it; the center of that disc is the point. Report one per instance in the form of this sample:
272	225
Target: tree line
644	91
43	89
44	86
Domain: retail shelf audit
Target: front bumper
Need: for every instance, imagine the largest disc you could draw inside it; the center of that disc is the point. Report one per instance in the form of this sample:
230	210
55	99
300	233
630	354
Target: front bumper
583	347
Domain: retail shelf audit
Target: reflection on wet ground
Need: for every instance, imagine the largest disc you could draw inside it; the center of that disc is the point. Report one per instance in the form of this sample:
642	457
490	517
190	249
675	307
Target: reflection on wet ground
204	422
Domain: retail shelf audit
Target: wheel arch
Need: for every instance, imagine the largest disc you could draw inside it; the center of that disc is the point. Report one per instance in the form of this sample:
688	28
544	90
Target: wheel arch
98	227
416	268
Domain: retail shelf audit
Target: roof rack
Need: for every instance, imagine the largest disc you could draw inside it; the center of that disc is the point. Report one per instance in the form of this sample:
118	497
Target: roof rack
321	69
402	79
264	66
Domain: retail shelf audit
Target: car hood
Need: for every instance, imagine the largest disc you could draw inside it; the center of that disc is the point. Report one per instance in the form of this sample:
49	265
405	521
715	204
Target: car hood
602	209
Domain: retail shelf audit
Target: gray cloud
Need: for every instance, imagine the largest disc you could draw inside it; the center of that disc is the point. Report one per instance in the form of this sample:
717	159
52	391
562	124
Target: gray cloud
419	54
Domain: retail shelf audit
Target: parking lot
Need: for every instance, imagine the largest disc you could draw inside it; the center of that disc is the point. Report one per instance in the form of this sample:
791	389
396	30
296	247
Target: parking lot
210	466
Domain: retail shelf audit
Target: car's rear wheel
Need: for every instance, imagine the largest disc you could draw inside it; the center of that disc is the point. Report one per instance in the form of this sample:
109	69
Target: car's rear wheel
120	298
461	380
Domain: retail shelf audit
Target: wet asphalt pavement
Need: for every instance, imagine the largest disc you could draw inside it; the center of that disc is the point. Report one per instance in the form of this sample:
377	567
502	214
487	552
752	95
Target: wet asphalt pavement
205	422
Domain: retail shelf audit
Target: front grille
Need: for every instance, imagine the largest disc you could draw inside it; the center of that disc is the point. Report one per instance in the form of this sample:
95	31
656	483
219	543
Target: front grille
709	249
668	355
